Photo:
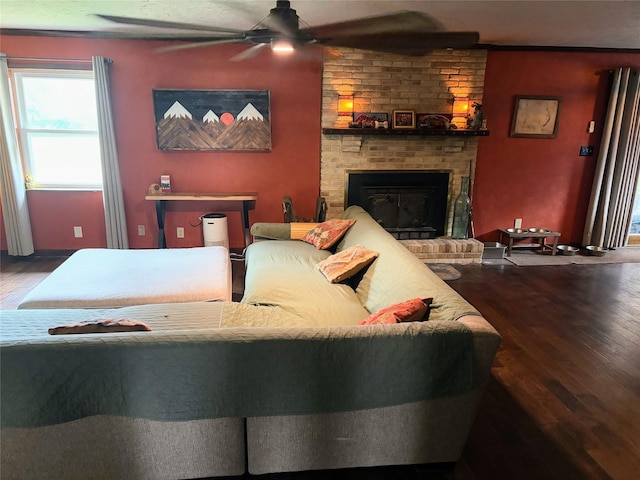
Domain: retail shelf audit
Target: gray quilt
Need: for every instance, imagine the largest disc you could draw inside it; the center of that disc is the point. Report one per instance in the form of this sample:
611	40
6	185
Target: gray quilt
191	366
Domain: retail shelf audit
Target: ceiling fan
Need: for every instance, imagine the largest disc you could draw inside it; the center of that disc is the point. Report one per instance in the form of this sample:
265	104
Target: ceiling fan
403	33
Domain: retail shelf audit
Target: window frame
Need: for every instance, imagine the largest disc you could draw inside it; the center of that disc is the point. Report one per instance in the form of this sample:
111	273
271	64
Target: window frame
23	132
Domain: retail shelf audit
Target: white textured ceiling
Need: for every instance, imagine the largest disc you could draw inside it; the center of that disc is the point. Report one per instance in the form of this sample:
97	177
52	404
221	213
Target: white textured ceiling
548	23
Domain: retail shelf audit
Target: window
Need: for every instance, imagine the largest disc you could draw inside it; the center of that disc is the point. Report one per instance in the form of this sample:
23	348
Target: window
57	126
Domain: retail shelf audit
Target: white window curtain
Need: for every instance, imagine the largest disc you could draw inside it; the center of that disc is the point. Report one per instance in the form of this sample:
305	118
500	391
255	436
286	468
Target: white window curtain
15	210
614	183
114	213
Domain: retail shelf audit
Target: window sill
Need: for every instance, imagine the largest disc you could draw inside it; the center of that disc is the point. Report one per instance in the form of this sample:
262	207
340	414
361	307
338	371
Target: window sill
64	189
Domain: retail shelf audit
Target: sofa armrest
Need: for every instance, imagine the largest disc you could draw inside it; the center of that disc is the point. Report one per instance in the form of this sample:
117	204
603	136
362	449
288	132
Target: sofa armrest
280	231
486	341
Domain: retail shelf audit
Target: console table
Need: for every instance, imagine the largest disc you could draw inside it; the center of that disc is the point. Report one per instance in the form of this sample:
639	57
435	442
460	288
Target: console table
542	235
246	199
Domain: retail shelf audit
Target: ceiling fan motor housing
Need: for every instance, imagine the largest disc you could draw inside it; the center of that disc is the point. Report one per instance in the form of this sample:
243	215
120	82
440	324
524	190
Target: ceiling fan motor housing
285	18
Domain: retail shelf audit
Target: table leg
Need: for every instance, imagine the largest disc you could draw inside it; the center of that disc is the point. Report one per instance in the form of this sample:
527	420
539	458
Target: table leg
555	246
245	222
160	212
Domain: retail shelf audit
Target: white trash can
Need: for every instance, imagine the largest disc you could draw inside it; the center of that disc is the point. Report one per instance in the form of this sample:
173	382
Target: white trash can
214	230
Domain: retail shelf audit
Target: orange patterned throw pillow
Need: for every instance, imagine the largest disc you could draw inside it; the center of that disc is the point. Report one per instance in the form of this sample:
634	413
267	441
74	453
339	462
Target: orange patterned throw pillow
346	263
416	309
327	234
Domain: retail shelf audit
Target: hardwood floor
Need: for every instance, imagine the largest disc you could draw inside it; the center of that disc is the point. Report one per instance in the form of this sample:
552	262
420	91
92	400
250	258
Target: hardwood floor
18	275
563	401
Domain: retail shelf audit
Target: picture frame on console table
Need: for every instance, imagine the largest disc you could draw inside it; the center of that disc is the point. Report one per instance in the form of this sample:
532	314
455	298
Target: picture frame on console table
403	119
535	116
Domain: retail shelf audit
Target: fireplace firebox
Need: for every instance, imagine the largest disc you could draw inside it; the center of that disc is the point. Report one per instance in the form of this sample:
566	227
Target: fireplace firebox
408	204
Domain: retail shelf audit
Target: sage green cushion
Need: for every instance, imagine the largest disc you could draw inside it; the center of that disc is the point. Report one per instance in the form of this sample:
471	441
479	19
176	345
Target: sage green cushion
271	231
397	275
283	273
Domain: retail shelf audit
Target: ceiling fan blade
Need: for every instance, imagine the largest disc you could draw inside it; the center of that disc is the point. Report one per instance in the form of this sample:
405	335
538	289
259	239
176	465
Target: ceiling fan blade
202	43
248	53
406	43
164	24
398	22
111	35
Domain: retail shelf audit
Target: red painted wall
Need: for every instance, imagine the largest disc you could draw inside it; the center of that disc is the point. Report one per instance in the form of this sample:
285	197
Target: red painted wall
543	181
291	168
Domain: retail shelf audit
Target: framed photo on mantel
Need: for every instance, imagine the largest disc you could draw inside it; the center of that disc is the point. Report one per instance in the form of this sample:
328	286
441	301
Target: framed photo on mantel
403	119
535	116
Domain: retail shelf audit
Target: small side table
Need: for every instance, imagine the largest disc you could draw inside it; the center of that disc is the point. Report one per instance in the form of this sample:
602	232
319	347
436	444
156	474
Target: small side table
246	200
542	236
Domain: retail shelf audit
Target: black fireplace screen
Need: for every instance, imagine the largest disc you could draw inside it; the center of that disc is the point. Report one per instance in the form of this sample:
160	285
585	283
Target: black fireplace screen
407	204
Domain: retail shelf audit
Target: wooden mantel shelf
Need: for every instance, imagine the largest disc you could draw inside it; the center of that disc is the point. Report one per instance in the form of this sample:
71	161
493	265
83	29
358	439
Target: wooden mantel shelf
408	132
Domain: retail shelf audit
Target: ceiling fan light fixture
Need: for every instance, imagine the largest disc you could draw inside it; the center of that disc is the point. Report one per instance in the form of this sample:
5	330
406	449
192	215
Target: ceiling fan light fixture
281	46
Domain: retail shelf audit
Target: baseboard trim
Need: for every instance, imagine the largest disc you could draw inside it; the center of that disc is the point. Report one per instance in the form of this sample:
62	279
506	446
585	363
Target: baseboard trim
4	254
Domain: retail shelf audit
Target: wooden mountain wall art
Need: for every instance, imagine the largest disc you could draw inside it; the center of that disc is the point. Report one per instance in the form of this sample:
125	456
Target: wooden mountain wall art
231	120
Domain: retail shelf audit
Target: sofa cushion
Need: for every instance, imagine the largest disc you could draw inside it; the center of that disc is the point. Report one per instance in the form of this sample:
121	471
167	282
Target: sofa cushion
280	231
284	273
397	274
415	309
346	263
327	234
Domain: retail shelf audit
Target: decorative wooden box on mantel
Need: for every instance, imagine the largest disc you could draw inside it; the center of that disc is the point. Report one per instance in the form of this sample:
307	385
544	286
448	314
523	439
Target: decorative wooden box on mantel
425	132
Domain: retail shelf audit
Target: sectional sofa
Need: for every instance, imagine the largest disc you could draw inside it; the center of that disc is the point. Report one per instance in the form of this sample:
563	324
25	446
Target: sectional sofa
285	380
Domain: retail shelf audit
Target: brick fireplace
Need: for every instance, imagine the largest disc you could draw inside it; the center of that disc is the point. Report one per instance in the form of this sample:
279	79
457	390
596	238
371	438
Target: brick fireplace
383	83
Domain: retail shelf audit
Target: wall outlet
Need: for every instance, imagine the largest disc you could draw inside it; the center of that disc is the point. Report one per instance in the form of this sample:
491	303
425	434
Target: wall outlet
517	223
77	232
141	232
180	232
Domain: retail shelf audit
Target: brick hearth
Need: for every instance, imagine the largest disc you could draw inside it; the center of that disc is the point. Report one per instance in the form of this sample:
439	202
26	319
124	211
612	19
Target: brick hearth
446	250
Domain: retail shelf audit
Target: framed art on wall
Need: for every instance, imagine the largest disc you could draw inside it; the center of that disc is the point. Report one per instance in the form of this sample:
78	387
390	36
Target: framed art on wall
230	120
404	119
535	117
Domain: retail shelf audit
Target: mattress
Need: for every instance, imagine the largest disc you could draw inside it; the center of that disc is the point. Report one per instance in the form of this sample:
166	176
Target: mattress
103	278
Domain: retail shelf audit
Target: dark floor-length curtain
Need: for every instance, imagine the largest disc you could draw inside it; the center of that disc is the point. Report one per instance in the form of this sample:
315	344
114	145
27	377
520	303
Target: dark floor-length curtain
616	176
